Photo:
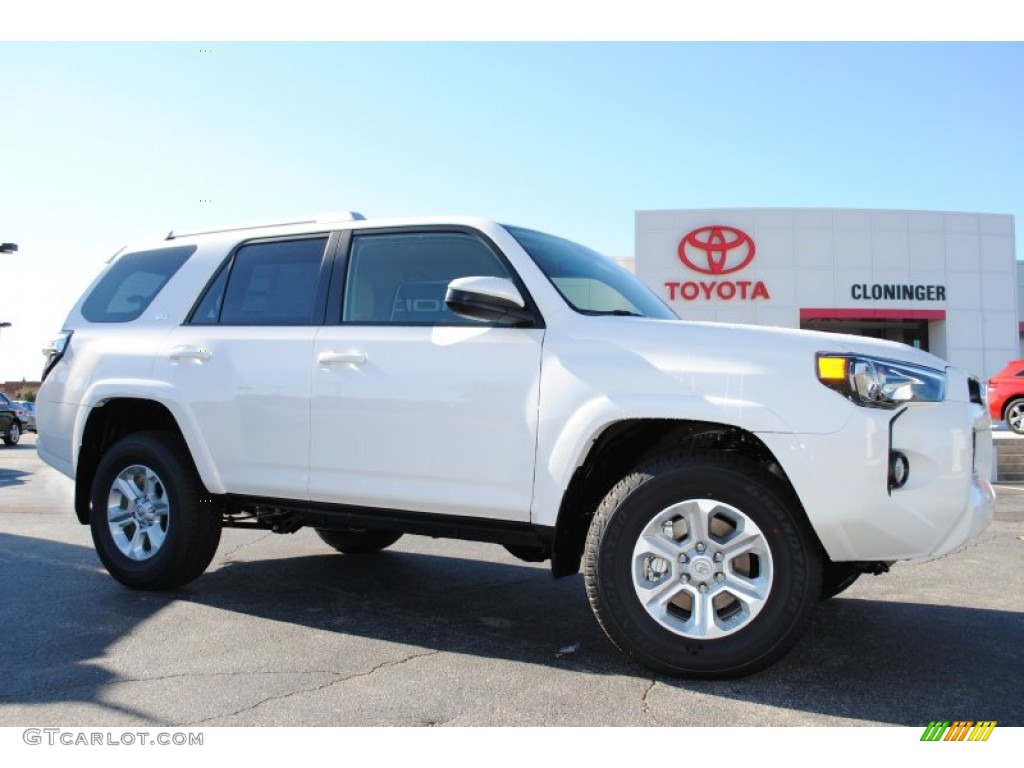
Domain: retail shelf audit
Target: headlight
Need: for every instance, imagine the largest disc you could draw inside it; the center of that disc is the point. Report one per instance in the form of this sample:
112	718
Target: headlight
879	383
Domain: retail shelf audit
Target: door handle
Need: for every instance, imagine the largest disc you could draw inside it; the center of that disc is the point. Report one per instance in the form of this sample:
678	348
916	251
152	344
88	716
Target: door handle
342	358
198	354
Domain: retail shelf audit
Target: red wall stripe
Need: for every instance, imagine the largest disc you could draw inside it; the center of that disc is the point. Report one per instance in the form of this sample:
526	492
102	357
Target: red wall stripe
873	314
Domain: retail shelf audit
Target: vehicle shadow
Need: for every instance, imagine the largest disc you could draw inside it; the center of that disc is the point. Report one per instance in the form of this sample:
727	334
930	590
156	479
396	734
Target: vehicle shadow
60	613
25	444
12	477
895	662
886	662
889	662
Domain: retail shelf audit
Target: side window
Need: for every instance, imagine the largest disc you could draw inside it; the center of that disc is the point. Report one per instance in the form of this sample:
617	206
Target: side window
401	279
207	312
271	283
128	287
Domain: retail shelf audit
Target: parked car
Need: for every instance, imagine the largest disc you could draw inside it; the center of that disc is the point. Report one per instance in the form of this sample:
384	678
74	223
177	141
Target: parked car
462	378
29	409
1006	396
22	413
10	420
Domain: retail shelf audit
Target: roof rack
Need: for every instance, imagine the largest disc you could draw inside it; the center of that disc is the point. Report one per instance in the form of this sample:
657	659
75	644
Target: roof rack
329	217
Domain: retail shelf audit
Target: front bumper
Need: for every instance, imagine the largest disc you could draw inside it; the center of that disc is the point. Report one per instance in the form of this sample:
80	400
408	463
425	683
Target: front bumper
842	480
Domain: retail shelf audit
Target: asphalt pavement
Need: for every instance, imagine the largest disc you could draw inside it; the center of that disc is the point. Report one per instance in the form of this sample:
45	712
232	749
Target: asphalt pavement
281	630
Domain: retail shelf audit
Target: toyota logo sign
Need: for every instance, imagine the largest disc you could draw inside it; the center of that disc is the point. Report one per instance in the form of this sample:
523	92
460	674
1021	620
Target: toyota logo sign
716	250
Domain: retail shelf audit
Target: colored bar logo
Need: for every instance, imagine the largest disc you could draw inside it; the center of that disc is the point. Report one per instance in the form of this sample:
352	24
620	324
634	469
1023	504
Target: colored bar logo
960	730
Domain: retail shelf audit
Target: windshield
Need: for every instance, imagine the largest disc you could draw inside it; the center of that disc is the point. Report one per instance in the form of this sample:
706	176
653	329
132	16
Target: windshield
592	284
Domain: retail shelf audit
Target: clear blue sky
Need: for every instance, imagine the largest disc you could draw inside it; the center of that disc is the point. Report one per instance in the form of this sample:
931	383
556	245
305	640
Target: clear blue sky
101	143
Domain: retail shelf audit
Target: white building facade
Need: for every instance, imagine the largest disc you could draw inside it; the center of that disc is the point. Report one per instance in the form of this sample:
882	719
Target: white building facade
944	282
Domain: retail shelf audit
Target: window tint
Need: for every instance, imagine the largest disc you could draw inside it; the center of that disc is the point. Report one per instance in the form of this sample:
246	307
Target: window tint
128	287
271	283
402	278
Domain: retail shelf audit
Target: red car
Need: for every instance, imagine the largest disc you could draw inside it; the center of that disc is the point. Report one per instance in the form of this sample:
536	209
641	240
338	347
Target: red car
1006	396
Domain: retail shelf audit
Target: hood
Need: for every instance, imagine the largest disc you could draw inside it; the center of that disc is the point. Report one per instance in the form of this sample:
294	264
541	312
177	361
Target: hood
755	336
757	377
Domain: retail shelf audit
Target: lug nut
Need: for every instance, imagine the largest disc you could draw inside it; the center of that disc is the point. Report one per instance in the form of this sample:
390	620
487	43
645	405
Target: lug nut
719	557
700	546
703	587
683	559
685	578
719	577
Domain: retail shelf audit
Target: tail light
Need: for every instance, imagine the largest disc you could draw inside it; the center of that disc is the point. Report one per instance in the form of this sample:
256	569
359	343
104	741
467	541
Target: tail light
54	351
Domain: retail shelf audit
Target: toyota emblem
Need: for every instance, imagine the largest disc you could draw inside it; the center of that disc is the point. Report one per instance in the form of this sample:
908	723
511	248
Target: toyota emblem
716	250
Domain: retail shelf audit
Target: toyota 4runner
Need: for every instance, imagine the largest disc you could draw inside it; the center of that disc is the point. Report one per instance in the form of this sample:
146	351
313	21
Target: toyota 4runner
461	378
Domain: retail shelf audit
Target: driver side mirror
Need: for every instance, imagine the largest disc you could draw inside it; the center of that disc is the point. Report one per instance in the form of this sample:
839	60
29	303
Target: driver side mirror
487	299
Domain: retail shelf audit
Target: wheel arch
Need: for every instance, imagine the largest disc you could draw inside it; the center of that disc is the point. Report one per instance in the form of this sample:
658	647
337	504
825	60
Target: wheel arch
106	423
623	445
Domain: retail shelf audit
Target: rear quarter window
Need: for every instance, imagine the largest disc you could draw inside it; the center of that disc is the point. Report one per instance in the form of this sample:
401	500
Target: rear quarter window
131	284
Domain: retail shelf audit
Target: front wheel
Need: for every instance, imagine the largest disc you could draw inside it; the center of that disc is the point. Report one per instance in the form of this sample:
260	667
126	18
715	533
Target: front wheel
153	524
701	565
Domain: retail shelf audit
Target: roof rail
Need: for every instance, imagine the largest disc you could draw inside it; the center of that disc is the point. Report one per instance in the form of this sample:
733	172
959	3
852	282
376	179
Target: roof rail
329	217
332	216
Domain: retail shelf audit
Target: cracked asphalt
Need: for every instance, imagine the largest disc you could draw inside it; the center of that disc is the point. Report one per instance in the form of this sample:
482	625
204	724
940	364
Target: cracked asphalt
283	631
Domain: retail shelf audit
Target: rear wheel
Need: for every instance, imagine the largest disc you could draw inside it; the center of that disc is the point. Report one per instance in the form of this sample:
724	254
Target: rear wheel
1015	416
702	565
153	524
13	434
357	541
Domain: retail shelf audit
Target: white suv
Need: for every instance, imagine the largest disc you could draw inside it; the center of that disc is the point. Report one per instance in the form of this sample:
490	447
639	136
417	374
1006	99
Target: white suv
461	378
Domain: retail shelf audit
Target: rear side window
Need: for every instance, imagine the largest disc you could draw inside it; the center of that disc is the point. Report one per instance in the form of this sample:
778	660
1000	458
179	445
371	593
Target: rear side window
128	287
268	283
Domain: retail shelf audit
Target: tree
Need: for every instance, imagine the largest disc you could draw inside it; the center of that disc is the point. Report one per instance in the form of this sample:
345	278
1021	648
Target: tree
25	393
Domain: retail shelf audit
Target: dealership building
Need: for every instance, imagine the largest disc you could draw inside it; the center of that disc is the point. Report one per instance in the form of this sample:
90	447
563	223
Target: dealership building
945	282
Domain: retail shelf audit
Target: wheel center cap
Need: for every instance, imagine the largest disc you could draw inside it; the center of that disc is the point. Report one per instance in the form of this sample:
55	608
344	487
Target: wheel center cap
702	567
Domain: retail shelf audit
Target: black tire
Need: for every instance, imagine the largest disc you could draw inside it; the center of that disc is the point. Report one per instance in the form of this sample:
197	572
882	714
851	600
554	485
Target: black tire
836	578
358	541
13	433
655	505
175	533
1013	414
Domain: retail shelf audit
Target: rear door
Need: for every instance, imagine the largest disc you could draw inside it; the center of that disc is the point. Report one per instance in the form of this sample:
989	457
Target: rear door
241	364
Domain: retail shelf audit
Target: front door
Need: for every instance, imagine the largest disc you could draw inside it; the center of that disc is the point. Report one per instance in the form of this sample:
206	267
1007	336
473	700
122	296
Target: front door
414	407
